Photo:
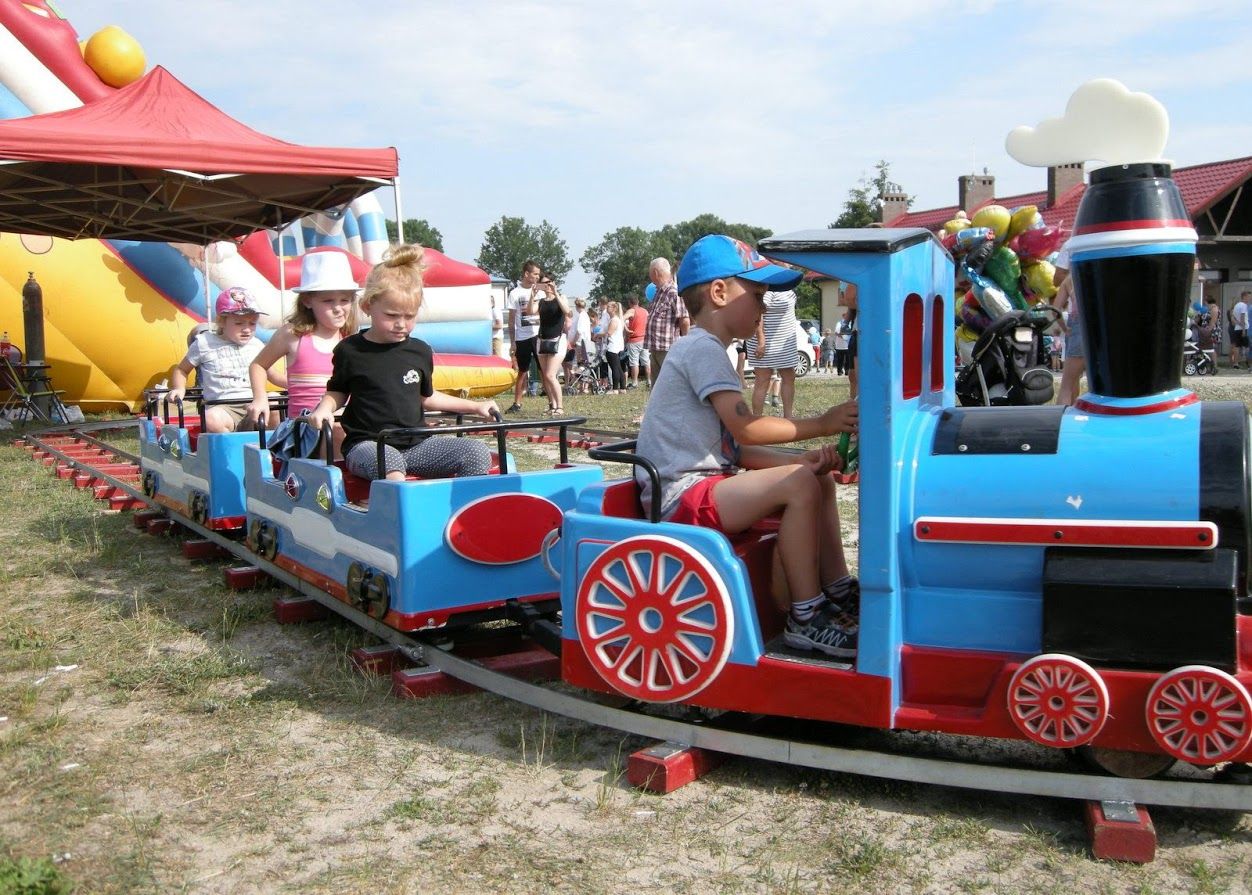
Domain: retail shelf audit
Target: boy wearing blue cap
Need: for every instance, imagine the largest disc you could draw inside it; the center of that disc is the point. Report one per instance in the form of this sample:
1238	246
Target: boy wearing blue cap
711	450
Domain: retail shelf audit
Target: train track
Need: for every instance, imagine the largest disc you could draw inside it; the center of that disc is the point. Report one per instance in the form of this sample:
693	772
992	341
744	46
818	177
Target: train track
76	452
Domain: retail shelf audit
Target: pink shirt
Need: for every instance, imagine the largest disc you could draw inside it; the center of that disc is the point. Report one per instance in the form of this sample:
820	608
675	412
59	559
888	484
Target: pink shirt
307	376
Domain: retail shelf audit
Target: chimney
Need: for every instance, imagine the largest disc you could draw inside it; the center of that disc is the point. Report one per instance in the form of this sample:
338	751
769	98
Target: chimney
1062	179
893	203
975	190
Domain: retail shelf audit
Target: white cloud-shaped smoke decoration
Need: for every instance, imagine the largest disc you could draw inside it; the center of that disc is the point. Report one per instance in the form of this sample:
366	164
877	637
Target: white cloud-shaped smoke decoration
1103	123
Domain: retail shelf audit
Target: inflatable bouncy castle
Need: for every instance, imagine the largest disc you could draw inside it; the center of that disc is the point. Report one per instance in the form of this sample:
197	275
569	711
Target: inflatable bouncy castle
117	311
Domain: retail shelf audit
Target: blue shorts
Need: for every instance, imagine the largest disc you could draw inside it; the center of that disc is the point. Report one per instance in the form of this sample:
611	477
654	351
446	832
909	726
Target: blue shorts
1073	339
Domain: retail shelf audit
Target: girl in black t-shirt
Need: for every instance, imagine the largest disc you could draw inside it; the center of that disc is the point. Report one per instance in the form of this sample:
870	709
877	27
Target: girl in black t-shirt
385	380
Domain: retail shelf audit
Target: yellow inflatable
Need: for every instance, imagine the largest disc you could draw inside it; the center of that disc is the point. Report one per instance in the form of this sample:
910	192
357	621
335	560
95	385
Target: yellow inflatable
108	333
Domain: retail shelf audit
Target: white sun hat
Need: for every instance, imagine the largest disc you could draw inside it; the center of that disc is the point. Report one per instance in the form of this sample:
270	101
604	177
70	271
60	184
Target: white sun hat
326	272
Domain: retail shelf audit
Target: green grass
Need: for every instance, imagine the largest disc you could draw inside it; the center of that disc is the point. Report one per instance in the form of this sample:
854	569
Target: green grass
197	746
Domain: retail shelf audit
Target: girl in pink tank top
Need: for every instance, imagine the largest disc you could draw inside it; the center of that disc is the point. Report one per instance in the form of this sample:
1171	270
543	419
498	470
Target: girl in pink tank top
319	320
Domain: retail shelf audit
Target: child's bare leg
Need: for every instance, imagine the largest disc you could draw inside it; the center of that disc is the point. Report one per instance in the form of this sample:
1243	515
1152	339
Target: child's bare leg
760	388
745	498
831	559
787	391
218	420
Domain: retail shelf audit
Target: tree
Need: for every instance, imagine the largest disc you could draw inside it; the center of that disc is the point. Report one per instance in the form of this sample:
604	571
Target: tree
864	204
419	231
808	302
619	262
679	237
511	242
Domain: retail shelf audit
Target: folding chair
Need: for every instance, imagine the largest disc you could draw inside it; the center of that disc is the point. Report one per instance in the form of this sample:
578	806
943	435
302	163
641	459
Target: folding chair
21	401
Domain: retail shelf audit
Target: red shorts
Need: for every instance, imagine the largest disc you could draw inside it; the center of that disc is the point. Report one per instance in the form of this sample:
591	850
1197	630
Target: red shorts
697	507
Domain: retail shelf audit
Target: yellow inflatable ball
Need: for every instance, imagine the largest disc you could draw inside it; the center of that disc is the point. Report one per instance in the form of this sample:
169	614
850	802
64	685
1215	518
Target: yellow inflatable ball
1039	279
996	217
115	56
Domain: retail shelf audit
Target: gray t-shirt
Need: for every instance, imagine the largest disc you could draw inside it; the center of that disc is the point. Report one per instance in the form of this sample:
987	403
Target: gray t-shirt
682	433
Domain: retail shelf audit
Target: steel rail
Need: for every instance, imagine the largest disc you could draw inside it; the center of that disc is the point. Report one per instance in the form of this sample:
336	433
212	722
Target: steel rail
861	762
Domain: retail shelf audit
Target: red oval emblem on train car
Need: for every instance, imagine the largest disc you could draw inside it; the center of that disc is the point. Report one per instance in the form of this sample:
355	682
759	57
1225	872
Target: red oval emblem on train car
502	528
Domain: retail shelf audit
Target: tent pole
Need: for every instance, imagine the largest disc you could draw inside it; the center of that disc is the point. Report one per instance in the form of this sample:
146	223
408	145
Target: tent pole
208	290
395	192
282	273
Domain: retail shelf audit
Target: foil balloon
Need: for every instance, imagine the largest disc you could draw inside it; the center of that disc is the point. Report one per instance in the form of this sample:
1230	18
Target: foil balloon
1040	242
960	222
948	241
1023	218
990	296
1005	271
996	217
972	315
1039	275
978	256
972	236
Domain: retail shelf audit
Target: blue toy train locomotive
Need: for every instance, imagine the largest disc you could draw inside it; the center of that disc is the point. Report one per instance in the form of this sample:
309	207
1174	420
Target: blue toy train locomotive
1072	576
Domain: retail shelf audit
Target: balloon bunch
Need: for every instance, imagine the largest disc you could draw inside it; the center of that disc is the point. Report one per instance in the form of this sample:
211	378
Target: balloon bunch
1004	263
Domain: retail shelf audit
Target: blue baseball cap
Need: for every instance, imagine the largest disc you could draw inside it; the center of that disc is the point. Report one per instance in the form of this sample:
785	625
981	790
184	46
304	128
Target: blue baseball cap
721	257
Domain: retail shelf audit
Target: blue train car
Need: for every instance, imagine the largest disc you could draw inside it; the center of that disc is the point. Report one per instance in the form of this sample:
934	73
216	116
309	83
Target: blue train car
198	475
415	554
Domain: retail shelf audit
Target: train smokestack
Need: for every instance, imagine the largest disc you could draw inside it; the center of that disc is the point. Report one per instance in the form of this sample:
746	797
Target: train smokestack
1132	257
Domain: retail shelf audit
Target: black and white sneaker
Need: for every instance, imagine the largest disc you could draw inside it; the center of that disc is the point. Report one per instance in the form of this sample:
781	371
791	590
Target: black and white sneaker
824	636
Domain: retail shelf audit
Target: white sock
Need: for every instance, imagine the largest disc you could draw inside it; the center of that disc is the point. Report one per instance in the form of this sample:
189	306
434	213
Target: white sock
804	610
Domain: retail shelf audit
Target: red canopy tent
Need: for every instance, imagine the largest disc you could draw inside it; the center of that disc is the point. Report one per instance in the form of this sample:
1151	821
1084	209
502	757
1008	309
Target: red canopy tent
157	161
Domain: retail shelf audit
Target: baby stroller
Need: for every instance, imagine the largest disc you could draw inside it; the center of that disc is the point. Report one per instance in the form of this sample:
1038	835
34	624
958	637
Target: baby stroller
1196	361
586	379
1008	364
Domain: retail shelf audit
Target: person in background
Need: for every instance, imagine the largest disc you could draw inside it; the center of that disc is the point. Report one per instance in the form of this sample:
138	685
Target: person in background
843	330
667	317
1075	362
615	347
774	352
497	328
1215	316
636	320
849	366
553	312
1239	332
385	380
523	308
221	358
577	338
827	356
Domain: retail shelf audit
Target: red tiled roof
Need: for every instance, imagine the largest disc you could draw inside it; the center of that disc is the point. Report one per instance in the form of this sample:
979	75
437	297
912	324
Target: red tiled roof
1201	186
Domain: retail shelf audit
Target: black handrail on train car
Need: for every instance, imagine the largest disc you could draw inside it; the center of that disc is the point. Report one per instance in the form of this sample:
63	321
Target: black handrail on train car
624	452
499	427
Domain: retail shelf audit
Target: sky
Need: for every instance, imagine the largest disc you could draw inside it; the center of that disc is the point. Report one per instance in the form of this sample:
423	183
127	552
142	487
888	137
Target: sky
597	115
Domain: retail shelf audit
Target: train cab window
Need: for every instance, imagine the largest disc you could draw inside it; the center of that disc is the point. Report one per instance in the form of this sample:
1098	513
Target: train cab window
937	323
912	334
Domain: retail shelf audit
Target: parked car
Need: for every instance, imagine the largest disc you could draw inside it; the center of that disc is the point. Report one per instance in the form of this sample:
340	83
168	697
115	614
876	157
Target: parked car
807	357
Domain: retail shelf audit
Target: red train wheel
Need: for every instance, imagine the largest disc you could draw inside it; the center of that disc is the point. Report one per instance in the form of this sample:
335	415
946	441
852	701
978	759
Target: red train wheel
1200	714
1058	701
654	619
